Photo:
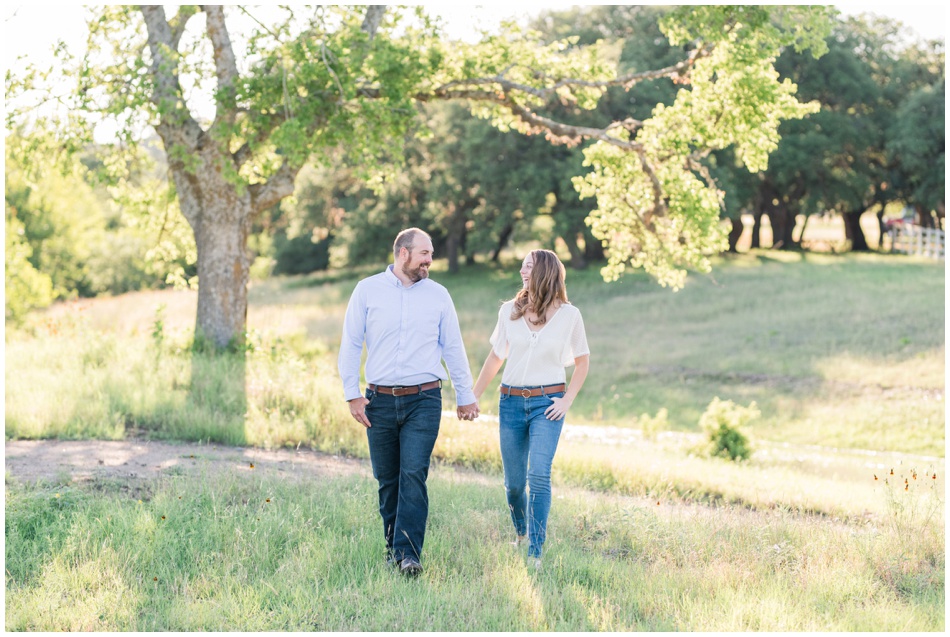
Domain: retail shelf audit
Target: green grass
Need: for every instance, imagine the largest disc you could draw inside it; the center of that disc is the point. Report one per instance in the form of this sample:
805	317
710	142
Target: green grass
94	557
844	352
95	370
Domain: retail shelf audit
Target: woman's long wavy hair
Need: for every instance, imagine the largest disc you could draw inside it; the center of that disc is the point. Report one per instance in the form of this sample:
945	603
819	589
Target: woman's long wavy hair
545	287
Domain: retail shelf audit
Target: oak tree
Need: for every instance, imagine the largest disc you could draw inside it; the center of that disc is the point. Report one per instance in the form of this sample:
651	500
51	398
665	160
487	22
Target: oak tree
312	81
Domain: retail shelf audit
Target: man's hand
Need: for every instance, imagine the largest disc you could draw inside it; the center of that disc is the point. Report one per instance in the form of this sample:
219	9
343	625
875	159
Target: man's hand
467	412
358	410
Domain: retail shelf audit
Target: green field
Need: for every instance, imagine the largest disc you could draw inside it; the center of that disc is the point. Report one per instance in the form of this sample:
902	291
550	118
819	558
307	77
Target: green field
844	356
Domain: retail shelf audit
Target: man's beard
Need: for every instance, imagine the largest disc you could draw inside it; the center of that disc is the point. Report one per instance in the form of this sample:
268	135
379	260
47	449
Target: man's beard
415	275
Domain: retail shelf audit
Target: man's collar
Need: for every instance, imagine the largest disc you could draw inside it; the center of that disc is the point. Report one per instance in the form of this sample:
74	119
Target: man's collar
390	274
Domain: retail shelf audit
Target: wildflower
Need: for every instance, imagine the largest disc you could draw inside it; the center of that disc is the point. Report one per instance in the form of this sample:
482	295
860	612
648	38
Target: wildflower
163	517
267	500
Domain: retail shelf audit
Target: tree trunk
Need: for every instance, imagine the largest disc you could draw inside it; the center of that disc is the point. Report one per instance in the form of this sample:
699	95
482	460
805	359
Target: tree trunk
573	240
735	233
455	222
220	216
882	228
502	240
756	229
924	218
223	267
801	235
593	248
853	231
783	227
453	246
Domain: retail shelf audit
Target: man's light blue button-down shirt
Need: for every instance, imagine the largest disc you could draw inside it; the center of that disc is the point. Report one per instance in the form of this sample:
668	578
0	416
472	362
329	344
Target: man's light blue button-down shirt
408	332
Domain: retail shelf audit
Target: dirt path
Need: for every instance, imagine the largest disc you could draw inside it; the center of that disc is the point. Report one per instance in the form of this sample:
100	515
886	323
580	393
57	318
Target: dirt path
32	460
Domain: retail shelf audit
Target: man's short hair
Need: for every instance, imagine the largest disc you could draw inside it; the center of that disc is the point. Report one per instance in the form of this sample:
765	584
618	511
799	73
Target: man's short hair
406	239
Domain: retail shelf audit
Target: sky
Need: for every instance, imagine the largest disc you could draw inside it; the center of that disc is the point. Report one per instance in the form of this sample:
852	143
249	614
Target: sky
928	20
33	28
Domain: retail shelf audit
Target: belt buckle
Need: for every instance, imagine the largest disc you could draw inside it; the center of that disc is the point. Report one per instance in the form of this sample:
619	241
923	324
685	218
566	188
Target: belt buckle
397	391
525	392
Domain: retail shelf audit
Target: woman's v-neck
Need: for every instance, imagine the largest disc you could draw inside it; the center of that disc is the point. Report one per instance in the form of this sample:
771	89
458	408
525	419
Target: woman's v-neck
527	324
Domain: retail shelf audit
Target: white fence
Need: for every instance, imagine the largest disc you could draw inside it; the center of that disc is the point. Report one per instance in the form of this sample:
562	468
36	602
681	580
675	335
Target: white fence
911	239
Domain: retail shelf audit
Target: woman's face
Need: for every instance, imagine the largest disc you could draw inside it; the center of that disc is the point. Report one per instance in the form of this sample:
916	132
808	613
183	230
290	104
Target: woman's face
526	267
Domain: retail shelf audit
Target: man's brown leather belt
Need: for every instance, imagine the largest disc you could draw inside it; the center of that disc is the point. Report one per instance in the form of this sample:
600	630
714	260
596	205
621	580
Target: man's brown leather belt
404	391
529	392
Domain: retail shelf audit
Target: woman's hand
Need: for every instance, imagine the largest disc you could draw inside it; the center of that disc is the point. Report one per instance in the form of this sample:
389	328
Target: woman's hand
558	408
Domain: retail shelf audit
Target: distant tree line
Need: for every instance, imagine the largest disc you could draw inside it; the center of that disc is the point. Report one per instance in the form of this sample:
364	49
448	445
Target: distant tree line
878	139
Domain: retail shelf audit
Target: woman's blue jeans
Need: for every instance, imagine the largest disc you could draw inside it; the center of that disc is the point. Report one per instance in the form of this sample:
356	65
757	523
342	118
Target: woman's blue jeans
528	442
403	433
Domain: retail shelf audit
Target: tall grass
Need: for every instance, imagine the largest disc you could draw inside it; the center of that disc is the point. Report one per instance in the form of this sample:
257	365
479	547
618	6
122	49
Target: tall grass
846	351
238	551
796	538
96	370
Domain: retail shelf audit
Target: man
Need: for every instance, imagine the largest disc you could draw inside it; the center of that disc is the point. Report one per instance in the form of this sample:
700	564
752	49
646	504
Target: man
409	325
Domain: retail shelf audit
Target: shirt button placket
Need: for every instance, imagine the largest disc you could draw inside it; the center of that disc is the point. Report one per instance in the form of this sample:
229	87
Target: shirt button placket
403	322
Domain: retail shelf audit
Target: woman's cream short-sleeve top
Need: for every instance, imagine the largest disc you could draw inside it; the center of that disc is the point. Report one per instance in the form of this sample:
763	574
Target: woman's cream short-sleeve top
538	357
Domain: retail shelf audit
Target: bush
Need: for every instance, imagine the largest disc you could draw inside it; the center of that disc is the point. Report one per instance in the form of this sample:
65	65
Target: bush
301	255
724	422
26	287
652	426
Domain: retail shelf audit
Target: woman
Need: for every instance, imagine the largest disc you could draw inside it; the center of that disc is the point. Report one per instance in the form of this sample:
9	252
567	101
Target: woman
540	334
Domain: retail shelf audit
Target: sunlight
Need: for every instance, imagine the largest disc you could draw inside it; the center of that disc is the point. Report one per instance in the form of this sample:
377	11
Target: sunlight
521	586
600	612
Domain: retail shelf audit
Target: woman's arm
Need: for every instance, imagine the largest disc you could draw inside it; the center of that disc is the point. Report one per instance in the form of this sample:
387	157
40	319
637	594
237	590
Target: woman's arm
489	370
559	406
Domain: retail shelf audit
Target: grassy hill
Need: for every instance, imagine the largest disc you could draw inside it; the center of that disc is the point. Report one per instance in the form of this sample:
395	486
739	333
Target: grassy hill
835	523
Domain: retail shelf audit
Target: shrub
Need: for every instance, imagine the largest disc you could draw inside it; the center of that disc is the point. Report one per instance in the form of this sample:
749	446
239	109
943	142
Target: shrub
653	425
301	255
724	422
26	287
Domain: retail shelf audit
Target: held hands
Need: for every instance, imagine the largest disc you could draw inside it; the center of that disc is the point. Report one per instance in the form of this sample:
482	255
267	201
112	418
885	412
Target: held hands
467	412
358	410
558	408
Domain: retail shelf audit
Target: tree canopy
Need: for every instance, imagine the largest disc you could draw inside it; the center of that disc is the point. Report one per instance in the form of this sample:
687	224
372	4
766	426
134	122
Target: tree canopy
347	80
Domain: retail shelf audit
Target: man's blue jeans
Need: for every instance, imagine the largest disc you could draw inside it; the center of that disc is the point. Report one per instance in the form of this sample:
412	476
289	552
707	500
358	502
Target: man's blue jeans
528	442
401	438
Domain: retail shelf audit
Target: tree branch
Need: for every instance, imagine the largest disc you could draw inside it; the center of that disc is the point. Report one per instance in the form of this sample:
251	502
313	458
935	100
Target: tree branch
500	90
178	23
374	15
166	94
225	64
557	132
269	193
678	70
674	71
